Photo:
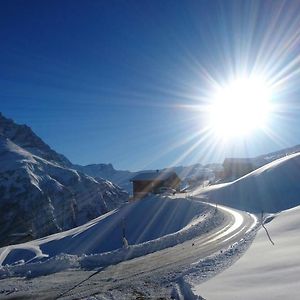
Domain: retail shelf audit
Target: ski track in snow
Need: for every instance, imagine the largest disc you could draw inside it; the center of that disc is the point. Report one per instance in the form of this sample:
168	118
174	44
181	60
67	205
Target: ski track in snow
176	279
266	271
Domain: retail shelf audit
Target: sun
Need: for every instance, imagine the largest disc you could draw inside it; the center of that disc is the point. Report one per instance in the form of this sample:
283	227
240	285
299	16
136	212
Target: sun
240	107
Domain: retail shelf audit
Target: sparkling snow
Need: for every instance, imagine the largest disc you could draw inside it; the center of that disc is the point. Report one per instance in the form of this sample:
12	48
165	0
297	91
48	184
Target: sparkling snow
265	271
150	224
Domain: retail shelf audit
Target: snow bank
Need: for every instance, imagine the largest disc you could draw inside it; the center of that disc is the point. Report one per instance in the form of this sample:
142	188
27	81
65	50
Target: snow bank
202	224
265	271
151	224
55	264
271	188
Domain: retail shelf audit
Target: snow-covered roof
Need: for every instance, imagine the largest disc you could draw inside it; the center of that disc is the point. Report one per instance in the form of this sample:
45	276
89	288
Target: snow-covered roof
154	176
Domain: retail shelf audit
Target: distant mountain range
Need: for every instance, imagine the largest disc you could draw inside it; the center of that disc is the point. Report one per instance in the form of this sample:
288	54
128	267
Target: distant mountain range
190	175
40	192
107	171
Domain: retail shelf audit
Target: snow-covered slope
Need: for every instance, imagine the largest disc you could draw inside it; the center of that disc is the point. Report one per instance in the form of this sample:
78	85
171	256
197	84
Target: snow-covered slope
23	136
107	171
271	188
167	221
265	271
39	196
269	157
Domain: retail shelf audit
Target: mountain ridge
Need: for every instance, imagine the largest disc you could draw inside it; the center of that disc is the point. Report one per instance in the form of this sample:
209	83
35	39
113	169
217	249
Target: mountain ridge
39	193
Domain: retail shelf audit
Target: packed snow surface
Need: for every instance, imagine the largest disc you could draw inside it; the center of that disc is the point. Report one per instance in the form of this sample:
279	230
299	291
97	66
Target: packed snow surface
266	271
271	188
141	221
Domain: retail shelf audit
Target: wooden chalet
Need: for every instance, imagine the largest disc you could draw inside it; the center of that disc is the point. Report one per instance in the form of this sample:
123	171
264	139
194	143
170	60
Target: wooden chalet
153	182
238	167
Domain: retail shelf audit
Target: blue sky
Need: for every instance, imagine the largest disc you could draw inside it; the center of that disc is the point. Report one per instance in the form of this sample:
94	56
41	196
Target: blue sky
116	81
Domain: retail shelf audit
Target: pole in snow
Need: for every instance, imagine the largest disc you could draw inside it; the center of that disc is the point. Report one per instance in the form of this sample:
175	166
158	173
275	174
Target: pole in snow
123	228
124	240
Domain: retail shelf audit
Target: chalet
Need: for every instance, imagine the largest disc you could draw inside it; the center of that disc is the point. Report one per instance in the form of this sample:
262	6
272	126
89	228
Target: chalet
237	167
154	182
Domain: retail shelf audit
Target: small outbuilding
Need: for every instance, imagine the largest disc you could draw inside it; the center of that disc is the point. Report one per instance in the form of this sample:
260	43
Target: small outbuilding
154	182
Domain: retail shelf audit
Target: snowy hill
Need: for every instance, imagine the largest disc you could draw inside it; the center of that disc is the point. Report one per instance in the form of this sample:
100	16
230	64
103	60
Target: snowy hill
273	274
278	154
151	224
271	188
39	196
237	167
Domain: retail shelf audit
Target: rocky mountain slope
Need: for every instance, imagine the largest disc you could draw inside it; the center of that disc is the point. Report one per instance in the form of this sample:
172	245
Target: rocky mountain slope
24	137
108	172
39	193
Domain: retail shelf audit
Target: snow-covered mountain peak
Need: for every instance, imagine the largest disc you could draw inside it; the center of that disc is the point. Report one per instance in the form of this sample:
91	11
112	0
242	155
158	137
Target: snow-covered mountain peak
40	193
23	136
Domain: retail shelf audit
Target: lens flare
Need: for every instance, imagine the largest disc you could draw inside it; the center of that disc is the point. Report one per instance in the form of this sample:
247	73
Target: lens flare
240	107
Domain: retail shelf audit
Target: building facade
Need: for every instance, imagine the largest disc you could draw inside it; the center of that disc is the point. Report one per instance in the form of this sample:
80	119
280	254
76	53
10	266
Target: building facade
153	183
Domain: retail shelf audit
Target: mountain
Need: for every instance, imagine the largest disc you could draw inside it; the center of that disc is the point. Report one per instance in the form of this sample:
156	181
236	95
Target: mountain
107	171
24	137
271	188
39	193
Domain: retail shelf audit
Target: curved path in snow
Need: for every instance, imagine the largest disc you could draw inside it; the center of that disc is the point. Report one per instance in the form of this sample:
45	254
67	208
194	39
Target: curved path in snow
160	264
237	224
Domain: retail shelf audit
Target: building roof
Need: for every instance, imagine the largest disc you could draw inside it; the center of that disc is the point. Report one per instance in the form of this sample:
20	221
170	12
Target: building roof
151	176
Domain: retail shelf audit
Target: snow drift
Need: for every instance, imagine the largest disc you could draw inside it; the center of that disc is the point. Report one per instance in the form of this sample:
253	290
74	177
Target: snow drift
271	188
150	224
273	274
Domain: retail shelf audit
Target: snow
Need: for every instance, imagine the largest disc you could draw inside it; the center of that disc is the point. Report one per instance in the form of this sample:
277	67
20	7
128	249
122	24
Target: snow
150	224
271	188
40	197
265	271
11	155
